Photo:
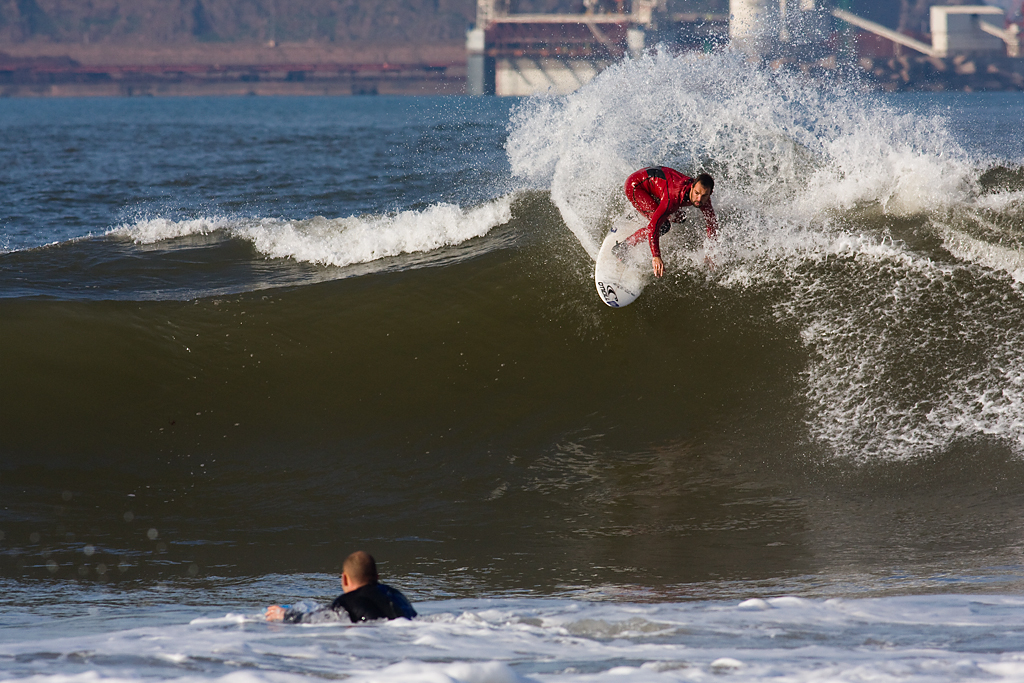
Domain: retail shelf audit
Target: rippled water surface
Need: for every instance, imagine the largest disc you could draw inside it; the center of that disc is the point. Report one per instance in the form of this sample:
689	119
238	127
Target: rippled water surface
242	337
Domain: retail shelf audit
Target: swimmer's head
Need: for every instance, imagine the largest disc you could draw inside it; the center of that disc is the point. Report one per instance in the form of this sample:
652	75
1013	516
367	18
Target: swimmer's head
359	570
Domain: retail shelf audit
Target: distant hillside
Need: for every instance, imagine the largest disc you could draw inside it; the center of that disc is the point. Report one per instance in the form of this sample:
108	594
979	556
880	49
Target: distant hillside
212	21
149	22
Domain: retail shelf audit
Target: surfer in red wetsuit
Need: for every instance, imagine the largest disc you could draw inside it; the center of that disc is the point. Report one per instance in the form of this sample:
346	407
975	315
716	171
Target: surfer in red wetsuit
659	192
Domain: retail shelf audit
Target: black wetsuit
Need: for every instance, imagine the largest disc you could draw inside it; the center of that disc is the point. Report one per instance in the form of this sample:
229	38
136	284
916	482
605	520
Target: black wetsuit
374	601
367	603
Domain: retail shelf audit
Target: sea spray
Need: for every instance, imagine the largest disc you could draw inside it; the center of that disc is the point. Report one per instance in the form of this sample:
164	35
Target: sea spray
787	151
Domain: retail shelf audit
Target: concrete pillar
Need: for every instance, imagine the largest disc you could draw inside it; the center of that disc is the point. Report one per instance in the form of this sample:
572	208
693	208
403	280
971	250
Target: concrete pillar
479	67
752	25
635	41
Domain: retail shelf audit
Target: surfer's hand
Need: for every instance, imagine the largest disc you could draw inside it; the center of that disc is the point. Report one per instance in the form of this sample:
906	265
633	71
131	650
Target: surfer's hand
659	266
710	262
275	613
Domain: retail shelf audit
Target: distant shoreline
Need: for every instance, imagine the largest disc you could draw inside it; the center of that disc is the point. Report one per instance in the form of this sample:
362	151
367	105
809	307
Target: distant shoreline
46	69
234	54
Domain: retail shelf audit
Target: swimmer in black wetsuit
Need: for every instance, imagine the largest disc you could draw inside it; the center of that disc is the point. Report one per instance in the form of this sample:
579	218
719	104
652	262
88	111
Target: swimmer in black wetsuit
364	598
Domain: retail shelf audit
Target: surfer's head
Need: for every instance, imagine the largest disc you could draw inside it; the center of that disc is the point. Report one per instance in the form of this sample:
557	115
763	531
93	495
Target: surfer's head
359	570
700	191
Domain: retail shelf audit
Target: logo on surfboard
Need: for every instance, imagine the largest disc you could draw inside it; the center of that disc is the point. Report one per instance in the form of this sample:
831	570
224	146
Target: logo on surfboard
608	292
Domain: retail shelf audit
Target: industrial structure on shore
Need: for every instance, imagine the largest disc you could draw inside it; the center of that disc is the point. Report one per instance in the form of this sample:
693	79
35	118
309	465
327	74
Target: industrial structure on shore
523	54
955	47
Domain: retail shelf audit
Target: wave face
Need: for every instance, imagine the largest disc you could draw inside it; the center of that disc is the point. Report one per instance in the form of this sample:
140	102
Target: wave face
238	389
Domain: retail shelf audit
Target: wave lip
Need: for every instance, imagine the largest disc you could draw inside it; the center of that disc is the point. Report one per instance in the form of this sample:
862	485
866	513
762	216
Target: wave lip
154	230
338	241
346	241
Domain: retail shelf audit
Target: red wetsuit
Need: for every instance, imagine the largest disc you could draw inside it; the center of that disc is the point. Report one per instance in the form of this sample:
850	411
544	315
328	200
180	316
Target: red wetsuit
658	192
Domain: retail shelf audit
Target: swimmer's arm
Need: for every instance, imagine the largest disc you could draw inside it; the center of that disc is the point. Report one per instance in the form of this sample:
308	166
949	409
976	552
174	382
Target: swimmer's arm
305	612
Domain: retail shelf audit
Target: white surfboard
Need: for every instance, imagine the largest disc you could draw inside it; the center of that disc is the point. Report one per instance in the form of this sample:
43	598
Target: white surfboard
620	273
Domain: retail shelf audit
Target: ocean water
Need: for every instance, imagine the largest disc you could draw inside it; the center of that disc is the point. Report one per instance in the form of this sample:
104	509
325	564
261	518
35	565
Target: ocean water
240	338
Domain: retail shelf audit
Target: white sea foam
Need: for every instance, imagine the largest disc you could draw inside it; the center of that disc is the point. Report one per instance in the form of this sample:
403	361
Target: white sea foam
995	256
936	638
908	355
338	241
988	231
